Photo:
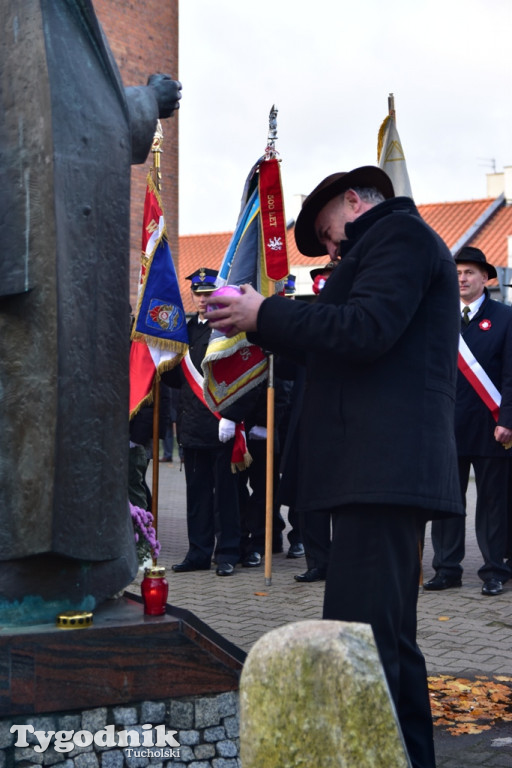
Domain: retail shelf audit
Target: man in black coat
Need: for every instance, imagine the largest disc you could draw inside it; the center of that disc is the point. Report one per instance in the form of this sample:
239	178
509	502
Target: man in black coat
483	427
380	350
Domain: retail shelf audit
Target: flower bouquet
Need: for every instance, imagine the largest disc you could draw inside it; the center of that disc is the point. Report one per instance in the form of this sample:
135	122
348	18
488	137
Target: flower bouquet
148	546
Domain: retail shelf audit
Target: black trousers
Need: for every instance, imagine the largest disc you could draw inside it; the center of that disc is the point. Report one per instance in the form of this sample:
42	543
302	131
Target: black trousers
492	479
253	502
315	528
373	578
213	517
294	534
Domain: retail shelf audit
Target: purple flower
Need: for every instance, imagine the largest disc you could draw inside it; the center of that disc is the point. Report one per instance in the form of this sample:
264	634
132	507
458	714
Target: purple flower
145	535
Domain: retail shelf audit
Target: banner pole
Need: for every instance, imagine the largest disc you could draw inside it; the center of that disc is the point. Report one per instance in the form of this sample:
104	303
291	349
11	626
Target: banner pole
391	106
270	153
156	149
269	503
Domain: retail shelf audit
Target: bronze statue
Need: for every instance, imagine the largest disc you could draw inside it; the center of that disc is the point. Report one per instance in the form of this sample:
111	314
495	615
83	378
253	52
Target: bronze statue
69	132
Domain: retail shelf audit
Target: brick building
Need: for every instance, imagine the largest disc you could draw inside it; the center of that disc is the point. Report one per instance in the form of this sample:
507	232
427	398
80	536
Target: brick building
143	37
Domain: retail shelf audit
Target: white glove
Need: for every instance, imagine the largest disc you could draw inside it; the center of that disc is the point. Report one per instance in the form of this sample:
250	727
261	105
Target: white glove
258	433
226	430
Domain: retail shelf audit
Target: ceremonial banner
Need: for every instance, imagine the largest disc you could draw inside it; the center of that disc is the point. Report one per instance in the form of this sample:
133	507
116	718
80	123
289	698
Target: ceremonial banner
391	158
257	255
159	334
273	224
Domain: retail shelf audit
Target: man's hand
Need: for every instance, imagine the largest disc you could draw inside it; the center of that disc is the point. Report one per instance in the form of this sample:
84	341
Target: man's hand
504	436
226	430
240	312
167	92
257	433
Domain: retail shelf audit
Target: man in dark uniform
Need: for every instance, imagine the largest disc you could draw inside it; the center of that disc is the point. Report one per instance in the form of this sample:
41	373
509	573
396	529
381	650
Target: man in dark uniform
486	330
213	519
375	442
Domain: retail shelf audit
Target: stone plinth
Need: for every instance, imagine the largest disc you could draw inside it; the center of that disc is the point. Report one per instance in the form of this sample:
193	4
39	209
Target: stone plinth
313	693
124	657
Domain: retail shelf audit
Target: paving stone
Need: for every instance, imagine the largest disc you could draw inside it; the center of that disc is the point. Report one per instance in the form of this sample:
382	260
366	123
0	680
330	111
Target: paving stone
229	606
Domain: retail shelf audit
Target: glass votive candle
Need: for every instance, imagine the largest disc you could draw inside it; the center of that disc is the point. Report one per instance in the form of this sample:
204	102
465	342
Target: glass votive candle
154	590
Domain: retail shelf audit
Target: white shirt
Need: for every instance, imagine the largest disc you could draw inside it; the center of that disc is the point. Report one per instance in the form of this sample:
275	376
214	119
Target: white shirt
473	307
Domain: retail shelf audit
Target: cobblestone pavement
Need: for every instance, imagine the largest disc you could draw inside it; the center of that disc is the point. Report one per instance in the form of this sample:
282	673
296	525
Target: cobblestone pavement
460	631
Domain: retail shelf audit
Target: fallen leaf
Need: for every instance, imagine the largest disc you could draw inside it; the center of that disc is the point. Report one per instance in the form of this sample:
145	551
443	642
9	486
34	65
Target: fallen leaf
468	706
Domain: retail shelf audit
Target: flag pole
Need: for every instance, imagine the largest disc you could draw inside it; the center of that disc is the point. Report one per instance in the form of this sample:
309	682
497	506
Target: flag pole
391	106
392	116
269	507
270	153
156	149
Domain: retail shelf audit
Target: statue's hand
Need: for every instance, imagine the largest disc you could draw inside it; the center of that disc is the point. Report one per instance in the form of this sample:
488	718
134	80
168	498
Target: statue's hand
167	92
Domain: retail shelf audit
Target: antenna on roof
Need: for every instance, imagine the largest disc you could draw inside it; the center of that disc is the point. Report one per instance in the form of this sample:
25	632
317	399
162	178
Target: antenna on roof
488	162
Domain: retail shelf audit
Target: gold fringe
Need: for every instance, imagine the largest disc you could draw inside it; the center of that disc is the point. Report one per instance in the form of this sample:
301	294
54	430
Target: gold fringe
380	138
168	365
146	401
241	465
166	344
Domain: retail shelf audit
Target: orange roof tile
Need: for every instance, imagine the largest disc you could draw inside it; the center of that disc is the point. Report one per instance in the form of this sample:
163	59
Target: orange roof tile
208	251
493	237
450	220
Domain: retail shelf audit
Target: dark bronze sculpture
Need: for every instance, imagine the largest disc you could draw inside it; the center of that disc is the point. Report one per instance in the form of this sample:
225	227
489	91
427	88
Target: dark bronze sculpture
69	132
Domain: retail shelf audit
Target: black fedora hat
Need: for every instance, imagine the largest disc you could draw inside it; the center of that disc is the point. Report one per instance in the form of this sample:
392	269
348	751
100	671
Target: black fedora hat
471	255
367	176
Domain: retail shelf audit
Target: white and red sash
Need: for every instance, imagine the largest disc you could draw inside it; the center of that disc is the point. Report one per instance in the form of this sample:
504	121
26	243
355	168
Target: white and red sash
240	457
470	368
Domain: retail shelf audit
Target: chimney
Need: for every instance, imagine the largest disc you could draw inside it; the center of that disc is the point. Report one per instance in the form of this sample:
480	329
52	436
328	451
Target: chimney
508	183
499	183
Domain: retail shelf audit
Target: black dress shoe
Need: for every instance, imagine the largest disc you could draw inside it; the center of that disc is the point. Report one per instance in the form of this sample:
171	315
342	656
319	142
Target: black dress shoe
492	587
440	581
295	550
225	569
313	574
252	560
187	565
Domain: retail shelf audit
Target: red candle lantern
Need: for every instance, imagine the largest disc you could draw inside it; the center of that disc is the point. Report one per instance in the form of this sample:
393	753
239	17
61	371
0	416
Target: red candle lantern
154	590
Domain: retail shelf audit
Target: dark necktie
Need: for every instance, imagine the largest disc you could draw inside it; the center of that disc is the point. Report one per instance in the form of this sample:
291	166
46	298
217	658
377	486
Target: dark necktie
465	315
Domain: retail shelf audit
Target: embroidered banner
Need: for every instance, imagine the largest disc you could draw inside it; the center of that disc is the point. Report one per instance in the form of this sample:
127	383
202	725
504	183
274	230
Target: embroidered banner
159	334
273	222
257	255
231	368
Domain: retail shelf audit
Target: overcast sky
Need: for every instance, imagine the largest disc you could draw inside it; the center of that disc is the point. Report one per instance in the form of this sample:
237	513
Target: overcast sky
328	66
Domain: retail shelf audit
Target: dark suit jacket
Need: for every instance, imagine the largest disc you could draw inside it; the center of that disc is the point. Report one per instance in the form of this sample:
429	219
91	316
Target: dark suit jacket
196	425
380	349
491	344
